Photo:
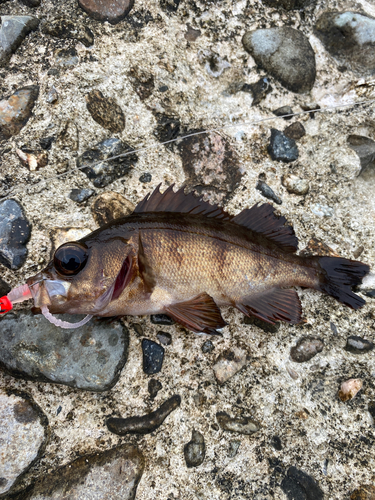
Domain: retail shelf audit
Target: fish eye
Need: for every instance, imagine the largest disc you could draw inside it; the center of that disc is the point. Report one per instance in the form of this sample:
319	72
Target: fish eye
70	259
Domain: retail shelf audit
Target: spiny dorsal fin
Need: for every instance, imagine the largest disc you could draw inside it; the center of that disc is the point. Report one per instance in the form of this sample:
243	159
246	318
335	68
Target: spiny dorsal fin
261	219
179	202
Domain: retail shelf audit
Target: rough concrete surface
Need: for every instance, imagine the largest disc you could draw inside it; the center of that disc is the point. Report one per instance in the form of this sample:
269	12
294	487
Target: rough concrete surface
318	434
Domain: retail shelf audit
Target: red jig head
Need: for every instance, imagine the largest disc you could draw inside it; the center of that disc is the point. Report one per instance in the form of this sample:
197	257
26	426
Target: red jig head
18	294
5	305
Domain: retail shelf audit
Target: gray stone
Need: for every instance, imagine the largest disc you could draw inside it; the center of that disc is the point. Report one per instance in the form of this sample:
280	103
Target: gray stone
298	485
259	90
90	358
305	349
13	31
66	58
161	319
164	338
268	192
233	448
16	110
23	435
81	195
286	54
15	231
112	11
154	386
195	450
64	28
350	38
284	110
365	149
295	131
242	425
4	288
94	164
145	178
229	363
282	148
208	347
358	345
111	475
153	356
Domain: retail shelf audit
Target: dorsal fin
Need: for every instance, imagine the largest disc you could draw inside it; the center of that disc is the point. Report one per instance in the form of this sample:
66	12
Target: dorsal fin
261	219
179	202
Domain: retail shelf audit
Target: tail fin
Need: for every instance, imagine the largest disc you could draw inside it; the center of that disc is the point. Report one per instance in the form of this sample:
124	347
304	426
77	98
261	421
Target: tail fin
338	275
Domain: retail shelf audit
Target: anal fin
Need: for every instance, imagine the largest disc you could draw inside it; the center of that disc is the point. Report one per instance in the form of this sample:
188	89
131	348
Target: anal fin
274	305
199	314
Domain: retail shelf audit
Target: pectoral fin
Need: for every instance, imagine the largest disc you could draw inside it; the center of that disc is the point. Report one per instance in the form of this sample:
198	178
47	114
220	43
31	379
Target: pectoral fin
199	314
274	305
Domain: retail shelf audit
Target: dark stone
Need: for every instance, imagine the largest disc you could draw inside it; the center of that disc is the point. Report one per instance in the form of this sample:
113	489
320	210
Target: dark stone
298	485
305	349
192	34
153	356
284	110
311	108
369	293
263	325
168	129
142	82
268	192
371	409
259	90
364	492
211	165
169	5
242	425
113	474
112	11
295	131
93	162
66	58
145	178
13	30
46	143
154	386
105	111
109	206
286	54
146	423
365	149
65	28
31	3
195	450
4	288
276	443
289	4
161	319
282	148
233	448
15	231
164	338
53	72
90	358
208	347
81	195
350	38
163	88
358	345
16	110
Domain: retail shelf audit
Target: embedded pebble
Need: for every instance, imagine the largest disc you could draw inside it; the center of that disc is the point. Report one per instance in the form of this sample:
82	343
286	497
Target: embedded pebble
233	448
66	58
164	338
192	34
297	485
283	112
276	443
350	38
109	206
13	30
289	4
31	3
142	82
16	110
263	325
295	131
213	63
282	148
268	192
109	475
229	363
23	435
52	96
153	356
350	388
208	347
365	149
295	185
94	164
90	358
365	492
305	349
81	195
33	160
4	288
259	90
154	386
358	345
105	111
46	142
15	232
322	210
286	54
146	423
317	247
161	319
145	178
64	28
112	11
61	235
242	425
195	450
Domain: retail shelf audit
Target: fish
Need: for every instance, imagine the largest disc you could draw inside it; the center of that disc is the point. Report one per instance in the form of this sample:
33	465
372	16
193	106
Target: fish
179	255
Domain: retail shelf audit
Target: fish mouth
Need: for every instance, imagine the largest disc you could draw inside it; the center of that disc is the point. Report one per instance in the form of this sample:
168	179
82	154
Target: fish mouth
48	292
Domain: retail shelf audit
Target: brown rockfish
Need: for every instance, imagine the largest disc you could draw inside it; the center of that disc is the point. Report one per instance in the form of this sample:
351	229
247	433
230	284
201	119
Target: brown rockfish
179	255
